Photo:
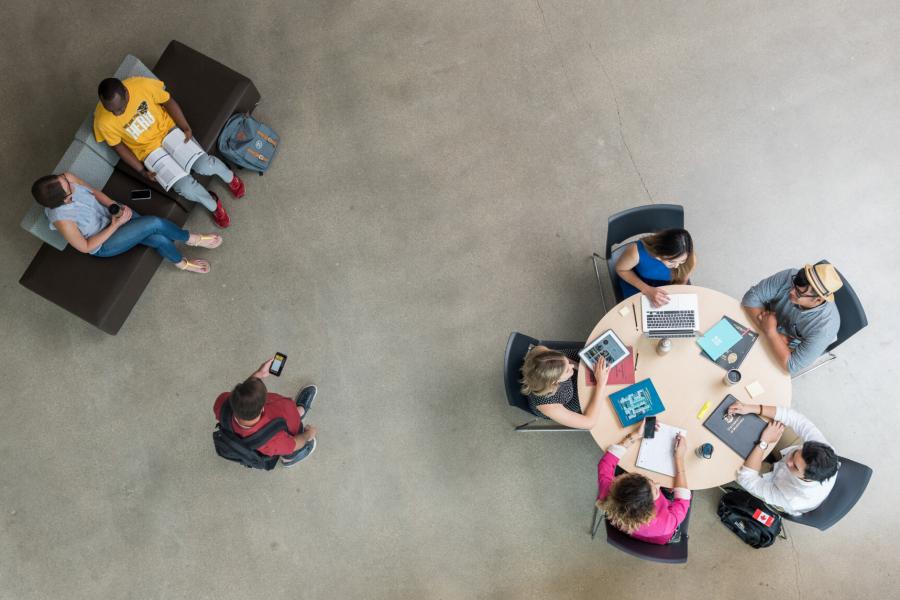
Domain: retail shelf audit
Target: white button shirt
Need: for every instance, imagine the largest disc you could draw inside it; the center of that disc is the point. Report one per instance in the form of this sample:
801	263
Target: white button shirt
780	488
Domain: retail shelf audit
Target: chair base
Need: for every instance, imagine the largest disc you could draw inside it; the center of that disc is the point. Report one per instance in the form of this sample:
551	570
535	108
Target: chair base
549	427
828	357
595	258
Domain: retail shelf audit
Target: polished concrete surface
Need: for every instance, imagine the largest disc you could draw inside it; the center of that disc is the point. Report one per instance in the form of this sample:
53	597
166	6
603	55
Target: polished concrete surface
447	170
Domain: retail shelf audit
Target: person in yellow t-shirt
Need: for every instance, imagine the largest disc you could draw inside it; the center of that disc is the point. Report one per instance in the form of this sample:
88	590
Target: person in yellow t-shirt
135	115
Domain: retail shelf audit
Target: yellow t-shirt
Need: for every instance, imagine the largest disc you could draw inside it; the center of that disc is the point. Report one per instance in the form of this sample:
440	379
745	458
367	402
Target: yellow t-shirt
144	123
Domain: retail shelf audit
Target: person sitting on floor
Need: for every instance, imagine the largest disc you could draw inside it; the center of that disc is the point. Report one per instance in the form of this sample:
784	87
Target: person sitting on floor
82	215
634	503
135	115
663	258
550	382
795	311
804	473
253	407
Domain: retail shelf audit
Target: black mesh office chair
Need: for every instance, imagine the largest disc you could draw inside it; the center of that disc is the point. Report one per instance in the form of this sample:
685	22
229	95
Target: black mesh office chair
851	482
853	319
516	348
625	225
676	552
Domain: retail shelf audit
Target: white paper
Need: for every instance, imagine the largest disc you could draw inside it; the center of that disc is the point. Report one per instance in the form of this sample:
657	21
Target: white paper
164	166
185	154
657	454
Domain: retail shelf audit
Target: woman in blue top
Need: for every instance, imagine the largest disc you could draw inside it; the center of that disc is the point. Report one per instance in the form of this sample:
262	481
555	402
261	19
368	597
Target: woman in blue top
82	215
663	258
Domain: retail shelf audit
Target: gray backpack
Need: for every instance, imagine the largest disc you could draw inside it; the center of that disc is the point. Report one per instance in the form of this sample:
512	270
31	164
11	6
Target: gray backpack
248	144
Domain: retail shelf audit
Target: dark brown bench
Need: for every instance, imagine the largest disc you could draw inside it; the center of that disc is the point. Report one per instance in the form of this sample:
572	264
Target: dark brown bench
103	291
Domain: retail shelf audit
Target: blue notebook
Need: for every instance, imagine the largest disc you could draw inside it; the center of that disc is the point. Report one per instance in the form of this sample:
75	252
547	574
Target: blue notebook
719	340
636	402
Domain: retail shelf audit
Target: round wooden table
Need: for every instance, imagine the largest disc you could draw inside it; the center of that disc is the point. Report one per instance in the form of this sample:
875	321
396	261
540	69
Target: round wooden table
686	380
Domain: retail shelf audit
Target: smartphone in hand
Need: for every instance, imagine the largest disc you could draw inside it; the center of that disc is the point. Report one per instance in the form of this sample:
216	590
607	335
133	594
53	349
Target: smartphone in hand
650	427
277	365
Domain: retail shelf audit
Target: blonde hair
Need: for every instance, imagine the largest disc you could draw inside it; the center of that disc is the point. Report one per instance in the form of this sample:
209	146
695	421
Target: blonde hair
672	243
541	371
630	503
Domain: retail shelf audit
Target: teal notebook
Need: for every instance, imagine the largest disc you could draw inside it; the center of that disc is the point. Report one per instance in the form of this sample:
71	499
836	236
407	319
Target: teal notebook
636	402
719	340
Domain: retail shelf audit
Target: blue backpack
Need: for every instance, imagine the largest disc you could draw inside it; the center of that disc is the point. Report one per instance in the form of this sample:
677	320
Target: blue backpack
247	143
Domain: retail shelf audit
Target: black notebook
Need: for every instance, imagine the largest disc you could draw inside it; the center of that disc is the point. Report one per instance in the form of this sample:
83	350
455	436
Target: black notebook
734	357
739	432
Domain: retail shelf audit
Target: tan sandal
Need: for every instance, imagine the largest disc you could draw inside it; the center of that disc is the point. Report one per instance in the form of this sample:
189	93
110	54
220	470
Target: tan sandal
194	266
210	240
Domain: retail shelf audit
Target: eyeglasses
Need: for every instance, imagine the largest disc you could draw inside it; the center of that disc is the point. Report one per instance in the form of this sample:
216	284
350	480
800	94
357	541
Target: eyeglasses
67	186
801	285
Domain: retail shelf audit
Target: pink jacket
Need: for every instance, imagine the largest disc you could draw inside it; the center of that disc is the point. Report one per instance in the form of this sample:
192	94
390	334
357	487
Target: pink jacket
669	513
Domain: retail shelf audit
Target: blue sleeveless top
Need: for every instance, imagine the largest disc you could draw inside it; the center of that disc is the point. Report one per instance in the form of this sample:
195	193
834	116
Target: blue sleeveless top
650	270
85	211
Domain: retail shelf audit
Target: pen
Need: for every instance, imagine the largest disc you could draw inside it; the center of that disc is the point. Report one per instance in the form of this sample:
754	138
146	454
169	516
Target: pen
634	312
637	357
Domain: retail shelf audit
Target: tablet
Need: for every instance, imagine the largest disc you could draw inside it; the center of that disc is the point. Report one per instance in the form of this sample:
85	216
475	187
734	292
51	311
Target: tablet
609	346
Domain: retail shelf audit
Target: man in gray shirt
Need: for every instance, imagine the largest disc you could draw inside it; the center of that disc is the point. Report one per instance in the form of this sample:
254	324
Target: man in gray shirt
795	311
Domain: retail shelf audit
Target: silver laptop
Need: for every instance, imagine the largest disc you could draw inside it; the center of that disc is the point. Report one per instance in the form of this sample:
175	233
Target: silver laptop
677	319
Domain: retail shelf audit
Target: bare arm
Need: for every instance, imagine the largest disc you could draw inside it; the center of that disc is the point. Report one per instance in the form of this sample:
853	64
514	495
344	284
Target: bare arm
131	160
69	230
174	110
564	416
625	270
302	439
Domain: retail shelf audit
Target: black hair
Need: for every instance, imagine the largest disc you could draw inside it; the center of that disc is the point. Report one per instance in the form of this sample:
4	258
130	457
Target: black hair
48	191
670	243
109	88
247	398
821	461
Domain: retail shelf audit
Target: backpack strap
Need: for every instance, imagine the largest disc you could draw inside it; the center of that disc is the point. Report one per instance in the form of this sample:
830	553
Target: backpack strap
258	439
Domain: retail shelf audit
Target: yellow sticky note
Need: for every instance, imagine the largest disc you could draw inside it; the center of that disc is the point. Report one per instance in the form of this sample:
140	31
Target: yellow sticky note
703	410
755	389
624	311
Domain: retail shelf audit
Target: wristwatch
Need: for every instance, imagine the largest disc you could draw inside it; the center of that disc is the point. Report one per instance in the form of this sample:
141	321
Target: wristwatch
763	444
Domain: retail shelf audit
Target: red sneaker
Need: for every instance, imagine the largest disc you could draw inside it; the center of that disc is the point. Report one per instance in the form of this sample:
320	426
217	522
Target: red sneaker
236	187
220	217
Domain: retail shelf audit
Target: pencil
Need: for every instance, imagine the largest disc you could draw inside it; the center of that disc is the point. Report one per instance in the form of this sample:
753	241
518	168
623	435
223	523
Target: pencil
634	312
637	356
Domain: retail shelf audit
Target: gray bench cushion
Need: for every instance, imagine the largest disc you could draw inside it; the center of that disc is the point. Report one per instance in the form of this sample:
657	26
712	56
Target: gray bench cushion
91	160
84	163
130	67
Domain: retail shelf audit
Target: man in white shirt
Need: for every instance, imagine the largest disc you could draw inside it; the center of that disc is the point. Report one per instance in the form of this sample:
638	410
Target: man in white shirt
805	474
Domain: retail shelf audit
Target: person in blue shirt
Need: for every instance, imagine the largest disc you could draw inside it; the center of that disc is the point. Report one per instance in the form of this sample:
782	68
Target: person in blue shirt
93	223
662	258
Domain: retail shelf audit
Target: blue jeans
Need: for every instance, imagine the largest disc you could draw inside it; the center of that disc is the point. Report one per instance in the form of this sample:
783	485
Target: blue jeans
151	231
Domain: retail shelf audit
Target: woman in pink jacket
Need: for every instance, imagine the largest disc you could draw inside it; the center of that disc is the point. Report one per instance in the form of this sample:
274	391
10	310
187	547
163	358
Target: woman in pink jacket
634	503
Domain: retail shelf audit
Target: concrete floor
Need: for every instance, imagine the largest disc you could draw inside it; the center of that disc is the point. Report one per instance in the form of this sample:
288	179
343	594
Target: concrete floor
447	169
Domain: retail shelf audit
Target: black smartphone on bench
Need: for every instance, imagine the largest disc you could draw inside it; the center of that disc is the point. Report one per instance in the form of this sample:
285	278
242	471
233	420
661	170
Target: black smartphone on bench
140	194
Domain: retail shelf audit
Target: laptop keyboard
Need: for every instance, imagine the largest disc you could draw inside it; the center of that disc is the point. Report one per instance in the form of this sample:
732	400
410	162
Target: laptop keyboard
670	319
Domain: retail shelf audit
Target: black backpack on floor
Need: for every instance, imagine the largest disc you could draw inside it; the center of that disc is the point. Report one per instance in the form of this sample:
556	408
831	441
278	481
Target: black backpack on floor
244	450
749	518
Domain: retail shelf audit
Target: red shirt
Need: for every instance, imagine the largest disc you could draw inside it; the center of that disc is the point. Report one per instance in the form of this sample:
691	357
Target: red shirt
276	406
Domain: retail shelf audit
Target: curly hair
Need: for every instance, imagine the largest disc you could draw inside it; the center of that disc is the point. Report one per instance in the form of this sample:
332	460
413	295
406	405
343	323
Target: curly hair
630	503
541	371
